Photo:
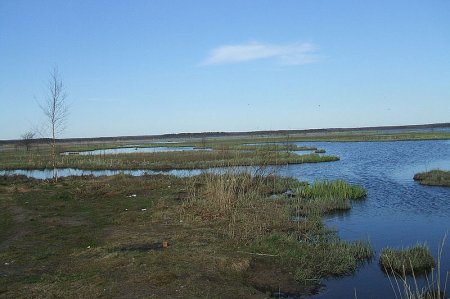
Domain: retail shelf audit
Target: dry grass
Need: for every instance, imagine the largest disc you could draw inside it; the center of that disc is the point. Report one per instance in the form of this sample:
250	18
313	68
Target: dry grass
240	200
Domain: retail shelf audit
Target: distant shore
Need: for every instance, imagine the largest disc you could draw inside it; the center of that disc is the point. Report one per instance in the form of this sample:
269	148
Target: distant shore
242	134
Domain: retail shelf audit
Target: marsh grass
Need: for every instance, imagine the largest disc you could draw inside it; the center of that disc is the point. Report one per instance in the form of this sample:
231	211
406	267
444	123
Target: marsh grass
406	286
311	261
40	158
253	221
271	147
330	136
239	199
323	197
434	178
416	259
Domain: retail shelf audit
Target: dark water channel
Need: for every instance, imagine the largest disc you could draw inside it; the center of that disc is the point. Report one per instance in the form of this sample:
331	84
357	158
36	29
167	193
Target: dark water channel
397	212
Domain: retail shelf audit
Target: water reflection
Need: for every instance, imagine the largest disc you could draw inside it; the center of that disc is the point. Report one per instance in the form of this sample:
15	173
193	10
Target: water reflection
129	150
65	172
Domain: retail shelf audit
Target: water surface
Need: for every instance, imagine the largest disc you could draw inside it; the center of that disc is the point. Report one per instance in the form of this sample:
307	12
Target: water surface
129	150
397	212
66	172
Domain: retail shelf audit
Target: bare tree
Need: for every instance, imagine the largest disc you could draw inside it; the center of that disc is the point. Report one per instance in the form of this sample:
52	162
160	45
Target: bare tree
27	139
55	110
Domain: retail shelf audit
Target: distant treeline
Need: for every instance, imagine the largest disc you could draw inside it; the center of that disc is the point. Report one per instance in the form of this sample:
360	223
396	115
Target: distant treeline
235	134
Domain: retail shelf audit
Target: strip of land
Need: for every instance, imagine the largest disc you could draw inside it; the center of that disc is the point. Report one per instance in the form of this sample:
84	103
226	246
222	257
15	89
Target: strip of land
386	133
41	158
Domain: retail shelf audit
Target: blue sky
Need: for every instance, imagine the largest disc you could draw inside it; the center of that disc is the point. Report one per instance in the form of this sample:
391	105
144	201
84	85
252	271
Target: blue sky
153	67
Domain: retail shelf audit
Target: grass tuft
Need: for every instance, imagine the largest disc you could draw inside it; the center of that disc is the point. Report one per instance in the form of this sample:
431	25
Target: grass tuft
324	197
416	259
435	286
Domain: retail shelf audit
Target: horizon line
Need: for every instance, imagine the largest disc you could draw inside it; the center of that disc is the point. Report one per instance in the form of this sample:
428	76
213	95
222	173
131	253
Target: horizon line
240	133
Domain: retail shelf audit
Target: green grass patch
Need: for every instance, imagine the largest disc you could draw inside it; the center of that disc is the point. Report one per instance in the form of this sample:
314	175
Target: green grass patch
322	197
416	259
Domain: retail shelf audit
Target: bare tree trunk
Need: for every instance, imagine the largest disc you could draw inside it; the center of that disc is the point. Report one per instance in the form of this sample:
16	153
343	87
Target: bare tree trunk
55	109
55	173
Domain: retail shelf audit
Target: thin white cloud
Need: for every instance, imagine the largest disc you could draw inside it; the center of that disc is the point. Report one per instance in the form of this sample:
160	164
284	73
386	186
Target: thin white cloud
293	54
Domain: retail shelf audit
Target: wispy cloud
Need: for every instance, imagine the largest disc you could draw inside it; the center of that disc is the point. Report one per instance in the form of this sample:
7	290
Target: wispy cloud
293	54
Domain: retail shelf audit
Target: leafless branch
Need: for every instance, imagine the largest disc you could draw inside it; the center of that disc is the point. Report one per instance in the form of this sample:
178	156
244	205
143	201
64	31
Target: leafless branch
55	109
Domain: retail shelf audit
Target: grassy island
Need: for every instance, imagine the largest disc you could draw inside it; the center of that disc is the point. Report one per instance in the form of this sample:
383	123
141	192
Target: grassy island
416	259
40	158
434	178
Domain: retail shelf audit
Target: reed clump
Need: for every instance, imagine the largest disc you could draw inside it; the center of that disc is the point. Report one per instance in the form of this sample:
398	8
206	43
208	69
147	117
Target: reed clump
405	285
240	200
416	259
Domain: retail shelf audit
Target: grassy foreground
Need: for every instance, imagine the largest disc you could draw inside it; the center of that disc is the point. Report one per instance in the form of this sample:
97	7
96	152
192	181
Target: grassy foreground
434	178
227	235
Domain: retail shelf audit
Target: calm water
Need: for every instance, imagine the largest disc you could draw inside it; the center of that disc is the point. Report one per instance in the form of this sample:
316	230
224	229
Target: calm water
397	212
65	172
129	150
